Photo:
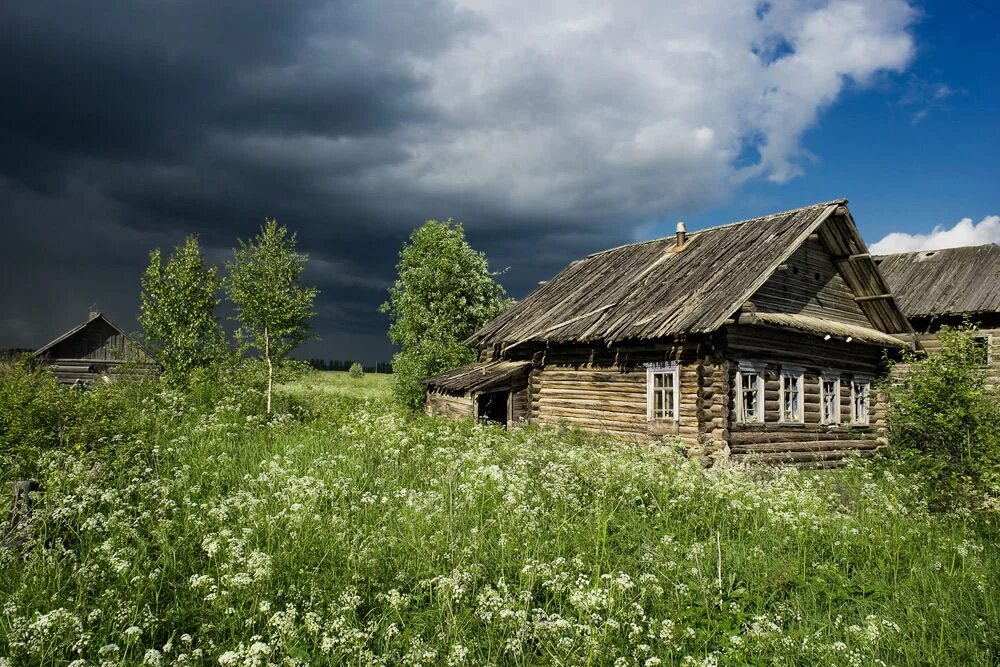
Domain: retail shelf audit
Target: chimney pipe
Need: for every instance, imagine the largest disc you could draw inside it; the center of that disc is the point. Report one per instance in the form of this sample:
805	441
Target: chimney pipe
681	234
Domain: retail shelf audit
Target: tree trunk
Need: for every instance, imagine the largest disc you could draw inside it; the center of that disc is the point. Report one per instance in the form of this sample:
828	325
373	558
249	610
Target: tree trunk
270	368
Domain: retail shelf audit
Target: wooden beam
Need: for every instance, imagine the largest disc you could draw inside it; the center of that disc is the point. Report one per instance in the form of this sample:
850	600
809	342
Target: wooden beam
854	258
873	297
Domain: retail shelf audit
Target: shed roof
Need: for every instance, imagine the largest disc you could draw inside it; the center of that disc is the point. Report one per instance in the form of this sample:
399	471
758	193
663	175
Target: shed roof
653	289
91	319
479	376
953	281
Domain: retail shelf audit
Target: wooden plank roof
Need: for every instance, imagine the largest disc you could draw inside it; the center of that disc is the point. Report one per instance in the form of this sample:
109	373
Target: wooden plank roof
653	289
94	317
822	327
953	281
479	376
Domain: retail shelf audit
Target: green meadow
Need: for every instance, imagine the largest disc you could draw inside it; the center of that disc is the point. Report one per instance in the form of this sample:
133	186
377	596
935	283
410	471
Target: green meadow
345	531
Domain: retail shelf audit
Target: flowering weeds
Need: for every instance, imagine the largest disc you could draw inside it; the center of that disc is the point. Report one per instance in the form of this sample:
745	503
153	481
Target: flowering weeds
365	536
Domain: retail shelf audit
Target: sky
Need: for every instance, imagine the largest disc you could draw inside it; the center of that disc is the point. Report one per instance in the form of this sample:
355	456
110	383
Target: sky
550	130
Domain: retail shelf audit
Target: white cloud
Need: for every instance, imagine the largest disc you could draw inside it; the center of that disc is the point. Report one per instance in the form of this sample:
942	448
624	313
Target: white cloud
599	109
964	233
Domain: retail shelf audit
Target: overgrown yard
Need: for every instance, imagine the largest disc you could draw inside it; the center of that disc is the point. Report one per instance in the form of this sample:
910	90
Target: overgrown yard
350	533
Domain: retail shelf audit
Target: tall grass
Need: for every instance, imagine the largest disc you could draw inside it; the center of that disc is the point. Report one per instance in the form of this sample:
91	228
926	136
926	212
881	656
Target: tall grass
361	535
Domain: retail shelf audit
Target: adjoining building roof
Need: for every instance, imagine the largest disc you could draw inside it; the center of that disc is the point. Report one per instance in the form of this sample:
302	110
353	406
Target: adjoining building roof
653	289
954	281
480	376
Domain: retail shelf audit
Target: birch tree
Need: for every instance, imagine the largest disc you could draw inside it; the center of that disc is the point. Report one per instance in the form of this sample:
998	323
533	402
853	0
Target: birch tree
178	302
273	306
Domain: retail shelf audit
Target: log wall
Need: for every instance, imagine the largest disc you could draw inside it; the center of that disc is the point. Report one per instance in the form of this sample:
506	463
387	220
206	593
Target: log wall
604	391
520	407
811	441
450	404
932	344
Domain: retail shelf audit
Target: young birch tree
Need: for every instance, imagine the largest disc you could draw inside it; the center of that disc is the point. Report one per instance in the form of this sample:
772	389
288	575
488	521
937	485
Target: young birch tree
178	304
272	305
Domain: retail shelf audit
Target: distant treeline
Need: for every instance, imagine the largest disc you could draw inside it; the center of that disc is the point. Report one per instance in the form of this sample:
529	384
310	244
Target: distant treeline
343	365
8	353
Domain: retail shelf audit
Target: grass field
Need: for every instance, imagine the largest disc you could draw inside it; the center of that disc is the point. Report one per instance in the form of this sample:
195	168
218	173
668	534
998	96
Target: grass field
351	533
373	386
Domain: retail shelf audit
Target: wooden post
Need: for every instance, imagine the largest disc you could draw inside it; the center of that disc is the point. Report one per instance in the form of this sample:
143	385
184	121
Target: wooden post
22	507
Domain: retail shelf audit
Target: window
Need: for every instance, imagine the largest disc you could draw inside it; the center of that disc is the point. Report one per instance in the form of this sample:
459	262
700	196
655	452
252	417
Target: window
829	398
982	349
750	394
662	392
860	388
791	396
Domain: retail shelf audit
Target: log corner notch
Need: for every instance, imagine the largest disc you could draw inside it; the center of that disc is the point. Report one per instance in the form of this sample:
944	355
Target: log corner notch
21	510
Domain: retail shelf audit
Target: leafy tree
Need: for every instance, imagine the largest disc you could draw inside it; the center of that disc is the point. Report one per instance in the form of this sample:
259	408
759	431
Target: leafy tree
444	293
356	371
178	304
942	416
272	305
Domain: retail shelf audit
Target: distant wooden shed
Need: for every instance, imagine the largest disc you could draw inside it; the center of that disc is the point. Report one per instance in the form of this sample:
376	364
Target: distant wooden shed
759	339
935	288
98	348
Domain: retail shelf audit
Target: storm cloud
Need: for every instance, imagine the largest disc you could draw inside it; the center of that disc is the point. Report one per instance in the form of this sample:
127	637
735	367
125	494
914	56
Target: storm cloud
550	129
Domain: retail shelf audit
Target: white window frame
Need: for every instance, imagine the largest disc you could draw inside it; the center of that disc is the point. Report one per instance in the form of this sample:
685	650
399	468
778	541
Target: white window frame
799	375
834	419
758	370
672	369
865	419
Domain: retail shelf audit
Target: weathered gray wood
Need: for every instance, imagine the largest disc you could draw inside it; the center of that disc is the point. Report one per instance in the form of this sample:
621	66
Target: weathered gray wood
953	281
644	292
21	511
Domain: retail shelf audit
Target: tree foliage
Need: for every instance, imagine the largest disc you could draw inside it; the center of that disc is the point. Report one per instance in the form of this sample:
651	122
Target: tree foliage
273	306
357	371
178	302
942	414
444	293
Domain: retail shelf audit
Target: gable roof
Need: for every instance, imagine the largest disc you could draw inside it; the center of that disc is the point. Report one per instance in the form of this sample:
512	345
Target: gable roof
94	317
953	281
653	290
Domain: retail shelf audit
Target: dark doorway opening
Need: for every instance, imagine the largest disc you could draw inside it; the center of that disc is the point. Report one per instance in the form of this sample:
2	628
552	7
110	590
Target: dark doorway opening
493	406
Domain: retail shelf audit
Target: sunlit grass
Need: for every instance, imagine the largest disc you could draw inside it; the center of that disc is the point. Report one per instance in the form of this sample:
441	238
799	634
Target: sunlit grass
371	387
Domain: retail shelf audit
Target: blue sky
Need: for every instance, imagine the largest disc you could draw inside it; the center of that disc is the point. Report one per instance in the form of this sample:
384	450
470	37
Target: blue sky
916	149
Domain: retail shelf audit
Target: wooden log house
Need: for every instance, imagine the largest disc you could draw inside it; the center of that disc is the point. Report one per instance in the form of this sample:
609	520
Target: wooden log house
935	288
757	339
94	350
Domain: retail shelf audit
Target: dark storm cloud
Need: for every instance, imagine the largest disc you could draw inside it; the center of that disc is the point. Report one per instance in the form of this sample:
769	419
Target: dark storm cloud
129	124
134	123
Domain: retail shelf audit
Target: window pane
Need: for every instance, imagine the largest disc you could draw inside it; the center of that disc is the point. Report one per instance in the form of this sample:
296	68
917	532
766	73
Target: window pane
860	391
830	403
657	380
749	397
795	398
